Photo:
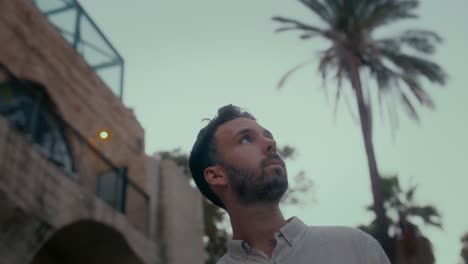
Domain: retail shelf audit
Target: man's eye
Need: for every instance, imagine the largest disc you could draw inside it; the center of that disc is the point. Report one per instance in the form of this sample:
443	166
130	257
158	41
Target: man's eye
245	139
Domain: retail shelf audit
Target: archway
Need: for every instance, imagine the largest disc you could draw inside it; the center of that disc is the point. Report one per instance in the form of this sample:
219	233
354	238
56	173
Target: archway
87	242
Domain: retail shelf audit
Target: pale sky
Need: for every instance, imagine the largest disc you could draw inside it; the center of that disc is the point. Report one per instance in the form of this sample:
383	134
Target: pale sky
185	59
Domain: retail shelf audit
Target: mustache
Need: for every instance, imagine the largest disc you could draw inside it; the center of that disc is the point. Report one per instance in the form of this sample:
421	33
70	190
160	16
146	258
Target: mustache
271	158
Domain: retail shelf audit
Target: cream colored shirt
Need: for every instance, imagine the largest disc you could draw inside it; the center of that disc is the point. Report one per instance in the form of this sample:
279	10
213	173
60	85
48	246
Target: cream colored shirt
297	243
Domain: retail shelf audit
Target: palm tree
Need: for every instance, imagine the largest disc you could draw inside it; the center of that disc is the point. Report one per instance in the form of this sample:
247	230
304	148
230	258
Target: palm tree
396	63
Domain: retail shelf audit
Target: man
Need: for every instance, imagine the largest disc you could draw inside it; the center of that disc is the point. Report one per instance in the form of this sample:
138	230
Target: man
236	165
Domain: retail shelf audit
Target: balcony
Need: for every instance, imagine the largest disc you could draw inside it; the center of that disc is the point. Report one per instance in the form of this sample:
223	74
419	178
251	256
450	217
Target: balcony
78	29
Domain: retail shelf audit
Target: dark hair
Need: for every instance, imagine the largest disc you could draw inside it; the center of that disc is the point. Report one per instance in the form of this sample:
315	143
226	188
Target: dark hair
204	153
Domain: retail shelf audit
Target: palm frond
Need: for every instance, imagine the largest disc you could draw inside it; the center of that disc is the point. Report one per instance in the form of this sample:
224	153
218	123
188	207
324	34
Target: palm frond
386	79
338	93
409	107
319	9
309	35
410	193
414	66
328	59
291	71
285	29
335	6
293	24
393	115
423	97
385	12
365	8
390	187
391	44
339	76
384	76
423	41
429	214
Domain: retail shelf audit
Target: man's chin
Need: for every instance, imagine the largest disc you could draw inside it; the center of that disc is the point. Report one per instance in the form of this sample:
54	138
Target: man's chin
274	171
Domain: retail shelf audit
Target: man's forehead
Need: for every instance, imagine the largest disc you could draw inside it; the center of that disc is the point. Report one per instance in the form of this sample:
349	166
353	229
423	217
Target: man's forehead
236	125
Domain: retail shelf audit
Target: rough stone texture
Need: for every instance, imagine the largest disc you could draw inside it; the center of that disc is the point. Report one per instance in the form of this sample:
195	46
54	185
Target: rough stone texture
182	228
34	50
154	206
38	191
38	199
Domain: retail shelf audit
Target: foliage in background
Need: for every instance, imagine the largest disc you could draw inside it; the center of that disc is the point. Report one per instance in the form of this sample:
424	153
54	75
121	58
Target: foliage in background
180	158
299	184
464	251
398	64
402	215
215	219
216	235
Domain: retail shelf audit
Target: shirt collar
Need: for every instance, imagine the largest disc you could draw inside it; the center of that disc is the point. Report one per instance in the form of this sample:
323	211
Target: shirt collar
291	231
237	249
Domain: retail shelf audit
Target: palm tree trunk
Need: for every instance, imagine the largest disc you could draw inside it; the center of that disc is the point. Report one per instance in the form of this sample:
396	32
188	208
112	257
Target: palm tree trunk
366	129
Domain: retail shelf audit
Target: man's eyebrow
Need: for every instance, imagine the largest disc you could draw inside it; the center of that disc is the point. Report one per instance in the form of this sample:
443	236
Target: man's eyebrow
266	132
243	131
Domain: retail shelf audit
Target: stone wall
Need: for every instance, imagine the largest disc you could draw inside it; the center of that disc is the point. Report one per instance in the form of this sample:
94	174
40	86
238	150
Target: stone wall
34	50
182	214
38	199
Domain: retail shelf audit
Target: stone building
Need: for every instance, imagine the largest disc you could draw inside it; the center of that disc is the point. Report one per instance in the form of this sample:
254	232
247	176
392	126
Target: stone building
75	183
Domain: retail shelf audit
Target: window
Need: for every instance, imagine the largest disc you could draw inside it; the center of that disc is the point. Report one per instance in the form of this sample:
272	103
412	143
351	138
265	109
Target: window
112	186
27	107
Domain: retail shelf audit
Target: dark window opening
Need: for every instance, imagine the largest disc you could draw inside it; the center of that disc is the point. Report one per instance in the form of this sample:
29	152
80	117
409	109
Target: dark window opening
28	108
112	186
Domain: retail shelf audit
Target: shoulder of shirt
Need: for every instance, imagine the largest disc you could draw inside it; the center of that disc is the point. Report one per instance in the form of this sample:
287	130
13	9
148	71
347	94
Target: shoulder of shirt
224	259
339	233
340	237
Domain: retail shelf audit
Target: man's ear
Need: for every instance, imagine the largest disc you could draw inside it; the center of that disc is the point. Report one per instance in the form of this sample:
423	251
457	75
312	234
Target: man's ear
214	175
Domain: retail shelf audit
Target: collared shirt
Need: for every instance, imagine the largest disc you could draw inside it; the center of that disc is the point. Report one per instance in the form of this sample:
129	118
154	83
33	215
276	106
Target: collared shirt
297	243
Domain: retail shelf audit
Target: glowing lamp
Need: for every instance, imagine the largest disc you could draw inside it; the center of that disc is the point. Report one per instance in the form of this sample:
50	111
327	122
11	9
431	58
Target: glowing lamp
103	135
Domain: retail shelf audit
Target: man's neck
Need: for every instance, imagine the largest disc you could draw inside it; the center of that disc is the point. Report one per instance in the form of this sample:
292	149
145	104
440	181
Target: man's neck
256	225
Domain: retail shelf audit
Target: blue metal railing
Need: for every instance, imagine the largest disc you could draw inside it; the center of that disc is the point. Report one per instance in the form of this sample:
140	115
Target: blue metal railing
77	27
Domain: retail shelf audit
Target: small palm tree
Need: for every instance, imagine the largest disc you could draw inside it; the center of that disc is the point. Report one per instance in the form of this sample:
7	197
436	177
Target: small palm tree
464	251
407	241
396	63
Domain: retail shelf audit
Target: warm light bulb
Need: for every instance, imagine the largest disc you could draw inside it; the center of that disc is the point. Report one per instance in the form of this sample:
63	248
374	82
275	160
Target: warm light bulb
104	135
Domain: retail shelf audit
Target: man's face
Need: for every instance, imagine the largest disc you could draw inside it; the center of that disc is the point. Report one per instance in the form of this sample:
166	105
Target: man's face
248	154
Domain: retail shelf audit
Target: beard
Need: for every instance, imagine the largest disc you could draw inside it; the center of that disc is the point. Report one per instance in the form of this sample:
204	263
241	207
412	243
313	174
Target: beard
251	188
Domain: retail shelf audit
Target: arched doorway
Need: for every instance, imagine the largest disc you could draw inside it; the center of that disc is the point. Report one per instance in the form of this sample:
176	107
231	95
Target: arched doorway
86	242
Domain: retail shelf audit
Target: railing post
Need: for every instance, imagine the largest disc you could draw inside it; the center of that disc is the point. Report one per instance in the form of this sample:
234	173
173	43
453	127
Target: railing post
122	70
77	40
77	36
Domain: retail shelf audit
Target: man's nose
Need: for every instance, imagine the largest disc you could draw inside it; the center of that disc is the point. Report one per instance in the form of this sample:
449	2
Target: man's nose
271	146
